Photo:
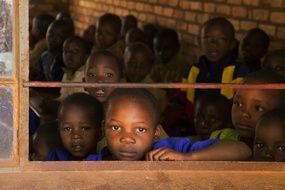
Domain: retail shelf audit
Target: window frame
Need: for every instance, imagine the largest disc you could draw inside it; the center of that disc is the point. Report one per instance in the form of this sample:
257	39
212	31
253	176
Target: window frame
20	171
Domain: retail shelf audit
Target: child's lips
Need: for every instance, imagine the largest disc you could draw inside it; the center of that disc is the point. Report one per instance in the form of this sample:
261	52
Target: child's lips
243	126
100	93
77	147
127	154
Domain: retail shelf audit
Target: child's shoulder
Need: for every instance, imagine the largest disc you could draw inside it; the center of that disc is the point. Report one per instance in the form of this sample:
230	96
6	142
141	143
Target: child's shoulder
59	154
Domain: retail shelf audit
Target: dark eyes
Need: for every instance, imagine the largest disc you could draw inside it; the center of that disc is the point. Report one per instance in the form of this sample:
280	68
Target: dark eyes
67	129
259	145
107	75
115	128
237	103
141	130
259	108
281	148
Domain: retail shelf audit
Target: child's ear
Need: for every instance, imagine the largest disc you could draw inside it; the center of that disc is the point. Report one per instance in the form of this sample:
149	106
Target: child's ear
157	132
234	43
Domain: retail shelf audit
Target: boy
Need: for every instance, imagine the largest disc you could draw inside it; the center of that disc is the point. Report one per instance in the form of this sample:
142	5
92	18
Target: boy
212	117
128	22
103	67
269	142
108	35
250	104
217	40
51	60
44	140
139	60
275	61
169	65
254	46
132	126
75	54
39	29
79	120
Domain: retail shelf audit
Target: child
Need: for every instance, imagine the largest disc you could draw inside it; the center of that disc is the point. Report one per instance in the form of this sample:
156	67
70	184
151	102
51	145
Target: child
134	35
139	60
75	54
169	65
39	29
269	142
250	104
217	65
44	140
254	46
103	67
212	117
275	61
108	35
79	119
132	126
150	30
128	22
51	60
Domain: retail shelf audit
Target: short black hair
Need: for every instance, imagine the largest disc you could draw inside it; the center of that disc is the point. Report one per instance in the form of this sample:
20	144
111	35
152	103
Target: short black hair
168	34
66	27
109	54
136	94
219	101
86	102
44	20
222	23
81	42
113	20
265	77
277	115
260	34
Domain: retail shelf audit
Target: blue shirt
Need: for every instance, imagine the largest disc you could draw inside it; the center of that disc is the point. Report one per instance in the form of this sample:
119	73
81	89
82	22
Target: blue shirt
60	154
183	145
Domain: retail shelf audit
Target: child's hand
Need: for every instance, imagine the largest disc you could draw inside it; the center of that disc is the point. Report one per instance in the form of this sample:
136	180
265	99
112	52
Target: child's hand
164	154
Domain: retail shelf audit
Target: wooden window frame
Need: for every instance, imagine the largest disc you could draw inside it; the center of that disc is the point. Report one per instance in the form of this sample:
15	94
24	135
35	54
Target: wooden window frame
23	174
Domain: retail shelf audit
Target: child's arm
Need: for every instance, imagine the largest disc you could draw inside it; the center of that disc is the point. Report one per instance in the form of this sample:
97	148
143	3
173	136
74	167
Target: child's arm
224	150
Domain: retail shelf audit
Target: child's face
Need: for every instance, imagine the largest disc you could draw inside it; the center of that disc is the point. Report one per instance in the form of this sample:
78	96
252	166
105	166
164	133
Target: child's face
269	142
137	65
249	105
215	43
74	55
208	118
253	48
106	35
130	129
55	37
276	65
79	135
102	70
164	50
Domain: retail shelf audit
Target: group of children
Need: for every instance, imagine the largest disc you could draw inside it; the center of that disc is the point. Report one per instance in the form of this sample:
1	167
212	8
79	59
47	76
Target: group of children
103	123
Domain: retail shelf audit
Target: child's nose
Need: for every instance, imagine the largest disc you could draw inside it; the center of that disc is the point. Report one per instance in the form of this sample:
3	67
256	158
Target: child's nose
245	112
76	134
127	138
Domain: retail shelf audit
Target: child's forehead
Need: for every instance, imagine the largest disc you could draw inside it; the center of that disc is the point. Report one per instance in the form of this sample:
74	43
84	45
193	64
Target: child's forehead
216	29
123	102
271	127
103	61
